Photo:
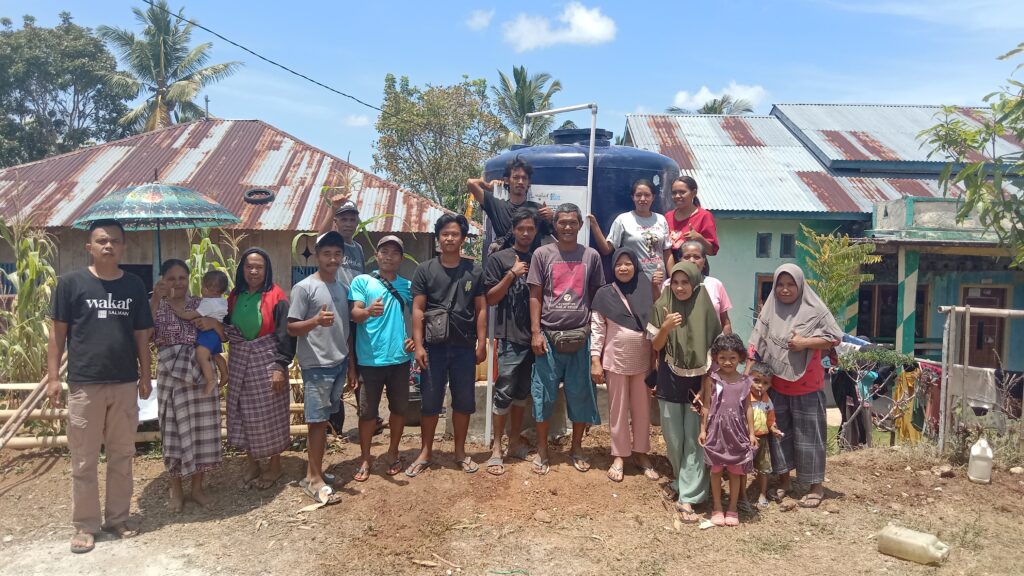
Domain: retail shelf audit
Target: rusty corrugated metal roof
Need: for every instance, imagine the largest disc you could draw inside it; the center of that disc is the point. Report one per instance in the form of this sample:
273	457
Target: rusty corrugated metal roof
862	136
221	158
754	163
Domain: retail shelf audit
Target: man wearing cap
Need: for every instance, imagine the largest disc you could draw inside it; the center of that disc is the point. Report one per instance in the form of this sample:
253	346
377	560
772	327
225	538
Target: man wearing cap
318	316
345	220
381	307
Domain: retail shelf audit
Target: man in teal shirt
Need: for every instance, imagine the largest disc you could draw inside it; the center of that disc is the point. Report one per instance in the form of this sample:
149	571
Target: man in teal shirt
381	305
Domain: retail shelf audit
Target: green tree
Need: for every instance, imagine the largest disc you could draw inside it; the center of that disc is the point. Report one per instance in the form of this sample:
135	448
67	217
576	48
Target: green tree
162	67
53	98
516	97
991	182
726	105
835	265
432	139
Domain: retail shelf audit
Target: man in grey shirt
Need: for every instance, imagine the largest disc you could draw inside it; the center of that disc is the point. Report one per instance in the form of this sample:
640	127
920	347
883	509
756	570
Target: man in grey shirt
318	316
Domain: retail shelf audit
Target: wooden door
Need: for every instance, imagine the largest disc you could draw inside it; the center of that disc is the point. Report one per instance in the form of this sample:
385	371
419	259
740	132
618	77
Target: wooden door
987	335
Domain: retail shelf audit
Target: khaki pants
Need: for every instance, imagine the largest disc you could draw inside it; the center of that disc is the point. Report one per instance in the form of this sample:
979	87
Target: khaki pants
108	415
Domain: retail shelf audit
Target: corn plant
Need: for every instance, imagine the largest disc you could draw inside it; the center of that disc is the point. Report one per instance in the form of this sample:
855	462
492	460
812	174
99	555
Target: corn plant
24	328
205	255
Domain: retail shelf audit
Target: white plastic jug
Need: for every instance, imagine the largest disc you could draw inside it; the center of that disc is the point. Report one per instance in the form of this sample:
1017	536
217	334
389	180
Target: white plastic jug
979	468
911	545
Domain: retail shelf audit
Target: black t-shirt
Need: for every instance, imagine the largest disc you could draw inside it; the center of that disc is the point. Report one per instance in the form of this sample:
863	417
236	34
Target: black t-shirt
102	317
434	281
500	213
512	320
672	388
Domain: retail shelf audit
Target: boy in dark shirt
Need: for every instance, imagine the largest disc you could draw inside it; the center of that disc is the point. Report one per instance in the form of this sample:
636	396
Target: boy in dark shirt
517	178
101	315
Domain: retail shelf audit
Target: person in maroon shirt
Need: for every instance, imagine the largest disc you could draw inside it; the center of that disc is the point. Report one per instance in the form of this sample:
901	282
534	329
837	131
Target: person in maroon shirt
688	221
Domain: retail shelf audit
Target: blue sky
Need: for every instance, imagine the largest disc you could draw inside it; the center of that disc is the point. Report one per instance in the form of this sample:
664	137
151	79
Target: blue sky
626	56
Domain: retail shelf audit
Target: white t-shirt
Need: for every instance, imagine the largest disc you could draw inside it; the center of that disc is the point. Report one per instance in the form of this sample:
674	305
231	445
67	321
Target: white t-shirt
647	237
216	308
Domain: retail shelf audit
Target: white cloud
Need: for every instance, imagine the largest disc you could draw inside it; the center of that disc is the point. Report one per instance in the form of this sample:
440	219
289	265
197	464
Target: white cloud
357	120
479	19
579	25
755	94
970	14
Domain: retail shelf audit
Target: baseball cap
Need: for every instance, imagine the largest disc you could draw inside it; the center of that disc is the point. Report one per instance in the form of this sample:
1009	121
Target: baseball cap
348	206
391	238
332	235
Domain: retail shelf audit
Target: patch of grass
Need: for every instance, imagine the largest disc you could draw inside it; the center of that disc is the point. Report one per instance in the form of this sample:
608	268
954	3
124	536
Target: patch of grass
775	547
878	438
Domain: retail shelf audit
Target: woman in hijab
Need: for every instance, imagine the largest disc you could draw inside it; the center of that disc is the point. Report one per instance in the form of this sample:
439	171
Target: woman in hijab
261	351
792	330
621	355
683	323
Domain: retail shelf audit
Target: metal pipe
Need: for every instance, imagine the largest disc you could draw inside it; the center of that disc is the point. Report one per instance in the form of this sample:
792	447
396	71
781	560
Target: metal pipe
554	111
944	381
987	312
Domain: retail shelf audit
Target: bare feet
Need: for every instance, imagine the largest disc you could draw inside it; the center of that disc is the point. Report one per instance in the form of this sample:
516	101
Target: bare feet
176	499
268	479
200	497
252	472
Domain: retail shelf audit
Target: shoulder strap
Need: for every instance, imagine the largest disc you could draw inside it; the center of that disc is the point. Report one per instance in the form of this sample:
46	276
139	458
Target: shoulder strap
390	288
626	304
451	287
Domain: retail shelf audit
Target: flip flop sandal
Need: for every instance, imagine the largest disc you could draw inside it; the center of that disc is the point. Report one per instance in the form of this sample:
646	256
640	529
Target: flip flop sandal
615	473
650	473
495	462
325	495
670	493
416	468
762	503
362	474
689	516
468	466
810	501
121	531
779	494
732	519
580	463
395	467
520	453
718	519
89	539
540	467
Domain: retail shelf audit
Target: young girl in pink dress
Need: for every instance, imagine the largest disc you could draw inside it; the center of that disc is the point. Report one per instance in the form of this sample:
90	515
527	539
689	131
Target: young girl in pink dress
727	426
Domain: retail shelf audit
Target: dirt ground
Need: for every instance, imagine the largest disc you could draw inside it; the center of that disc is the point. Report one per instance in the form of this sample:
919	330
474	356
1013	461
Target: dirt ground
564	523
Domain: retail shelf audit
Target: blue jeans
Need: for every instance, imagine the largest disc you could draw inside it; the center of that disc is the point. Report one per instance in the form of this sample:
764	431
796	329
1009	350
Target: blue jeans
574	370
452	365
321	388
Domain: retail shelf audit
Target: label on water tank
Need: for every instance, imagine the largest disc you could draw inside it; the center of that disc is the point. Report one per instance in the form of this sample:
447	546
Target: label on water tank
553	195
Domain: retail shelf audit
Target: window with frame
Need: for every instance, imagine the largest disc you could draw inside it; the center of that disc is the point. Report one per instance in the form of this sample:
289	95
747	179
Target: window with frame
763	285
787	246
764	245
877	311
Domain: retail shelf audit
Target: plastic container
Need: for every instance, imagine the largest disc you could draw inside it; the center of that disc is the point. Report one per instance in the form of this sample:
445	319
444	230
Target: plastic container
979	468
912	545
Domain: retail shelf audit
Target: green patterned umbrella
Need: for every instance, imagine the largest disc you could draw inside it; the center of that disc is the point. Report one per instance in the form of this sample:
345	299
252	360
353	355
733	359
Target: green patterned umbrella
158	207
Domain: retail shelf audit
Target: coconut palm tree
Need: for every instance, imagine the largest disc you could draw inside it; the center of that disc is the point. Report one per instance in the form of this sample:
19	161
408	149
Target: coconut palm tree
516	97
161	65
726	105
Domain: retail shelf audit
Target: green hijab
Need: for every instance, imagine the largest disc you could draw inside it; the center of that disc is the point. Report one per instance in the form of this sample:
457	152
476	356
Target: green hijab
689	344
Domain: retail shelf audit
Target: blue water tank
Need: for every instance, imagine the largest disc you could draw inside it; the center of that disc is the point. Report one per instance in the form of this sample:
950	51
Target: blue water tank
564	163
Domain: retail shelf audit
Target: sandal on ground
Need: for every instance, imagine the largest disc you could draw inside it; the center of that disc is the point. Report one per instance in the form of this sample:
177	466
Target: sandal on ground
732	519
540	467
779	494
329	478
669	492
495	466
121	531
82	542
318	495
615	473
416	468
810	500
362	473
687	514
467	465
762	503
395	467
580	463
650	473
520	453
717	518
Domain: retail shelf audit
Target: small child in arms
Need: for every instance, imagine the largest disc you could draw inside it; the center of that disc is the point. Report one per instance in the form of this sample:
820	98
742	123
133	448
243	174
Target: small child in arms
208	343
764	423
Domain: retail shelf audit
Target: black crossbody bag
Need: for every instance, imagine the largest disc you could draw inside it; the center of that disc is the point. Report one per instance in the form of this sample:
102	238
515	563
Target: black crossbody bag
436	322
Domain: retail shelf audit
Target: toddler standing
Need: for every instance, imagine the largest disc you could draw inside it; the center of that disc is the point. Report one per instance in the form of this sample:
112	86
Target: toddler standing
727	426
764	423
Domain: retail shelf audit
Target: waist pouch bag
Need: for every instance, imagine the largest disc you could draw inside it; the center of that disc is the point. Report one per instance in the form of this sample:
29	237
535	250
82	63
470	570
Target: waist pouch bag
569	341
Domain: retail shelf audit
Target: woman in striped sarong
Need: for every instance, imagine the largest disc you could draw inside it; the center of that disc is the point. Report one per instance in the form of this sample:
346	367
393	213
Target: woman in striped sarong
261	350
792	331
189	419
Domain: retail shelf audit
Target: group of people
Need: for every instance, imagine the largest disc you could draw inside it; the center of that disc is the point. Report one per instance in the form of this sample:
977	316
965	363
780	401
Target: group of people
659	328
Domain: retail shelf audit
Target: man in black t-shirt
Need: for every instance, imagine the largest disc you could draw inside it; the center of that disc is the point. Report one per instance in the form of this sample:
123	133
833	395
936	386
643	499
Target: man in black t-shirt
102	316
505	282
517	177
448	351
